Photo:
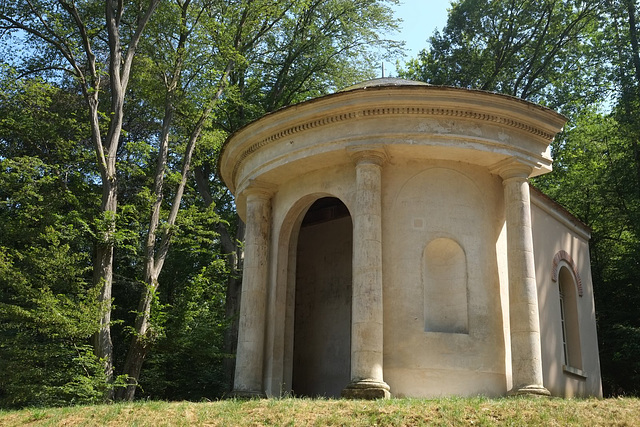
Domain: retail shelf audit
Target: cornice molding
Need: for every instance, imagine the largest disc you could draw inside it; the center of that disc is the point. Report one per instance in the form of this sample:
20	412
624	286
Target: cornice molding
391	111
459	113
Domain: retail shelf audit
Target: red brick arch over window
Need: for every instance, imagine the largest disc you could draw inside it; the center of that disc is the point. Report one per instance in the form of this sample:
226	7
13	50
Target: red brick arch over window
564	256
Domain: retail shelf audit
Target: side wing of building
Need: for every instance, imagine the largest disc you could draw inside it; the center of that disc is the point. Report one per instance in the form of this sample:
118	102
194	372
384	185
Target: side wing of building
570	358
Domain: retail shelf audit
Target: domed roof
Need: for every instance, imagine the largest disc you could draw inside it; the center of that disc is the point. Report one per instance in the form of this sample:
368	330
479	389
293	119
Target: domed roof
384	81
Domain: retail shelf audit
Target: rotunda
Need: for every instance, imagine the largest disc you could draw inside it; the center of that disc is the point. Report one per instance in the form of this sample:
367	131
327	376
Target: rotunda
394	247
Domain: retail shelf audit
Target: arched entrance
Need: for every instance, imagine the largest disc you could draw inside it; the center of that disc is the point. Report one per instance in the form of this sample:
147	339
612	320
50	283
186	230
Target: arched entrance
322	325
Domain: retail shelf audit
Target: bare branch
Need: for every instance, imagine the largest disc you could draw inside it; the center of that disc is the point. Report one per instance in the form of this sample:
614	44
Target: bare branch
91	58
61	47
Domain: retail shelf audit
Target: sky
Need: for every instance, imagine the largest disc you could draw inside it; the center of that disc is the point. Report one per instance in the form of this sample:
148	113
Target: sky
419	19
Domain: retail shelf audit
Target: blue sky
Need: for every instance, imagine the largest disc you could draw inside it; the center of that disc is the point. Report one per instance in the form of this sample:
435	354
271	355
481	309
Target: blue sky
419	19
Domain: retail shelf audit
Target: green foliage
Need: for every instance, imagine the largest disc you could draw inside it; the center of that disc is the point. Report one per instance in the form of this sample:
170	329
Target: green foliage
186	363
226	62
598	178
537	50
48	310
317	47
594	177
329	40
188	317
39	119
48	307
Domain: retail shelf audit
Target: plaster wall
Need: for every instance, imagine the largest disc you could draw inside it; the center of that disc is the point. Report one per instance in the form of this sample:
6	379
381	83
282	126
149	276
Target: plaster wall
439	343
553	232
417	210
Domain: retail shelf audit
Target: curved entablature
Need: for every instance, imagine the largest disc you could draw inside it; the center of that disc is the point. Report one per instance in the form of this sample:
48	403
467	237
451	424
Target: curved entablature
405	120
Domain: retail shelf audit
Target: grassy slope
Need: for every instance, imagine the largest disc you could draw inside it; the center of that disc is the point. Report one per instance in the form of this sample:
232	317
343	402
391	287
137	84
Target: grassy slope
394	412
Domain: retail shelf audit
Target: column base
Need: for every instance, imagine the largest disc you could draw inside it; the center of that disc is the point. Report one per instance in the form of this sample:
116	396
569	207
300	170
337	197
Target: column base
529	390
244	394
366	389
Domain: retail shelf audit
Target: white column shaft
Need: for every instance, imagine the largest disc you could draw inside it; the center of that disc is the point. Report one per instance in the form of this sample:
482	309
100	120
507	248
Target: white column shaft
366	331
253	300
526	355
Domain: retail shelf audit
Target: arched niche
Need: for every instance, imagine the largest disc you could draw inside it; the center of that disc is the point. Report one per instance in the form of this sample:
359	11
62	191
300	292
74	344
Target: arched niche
445	287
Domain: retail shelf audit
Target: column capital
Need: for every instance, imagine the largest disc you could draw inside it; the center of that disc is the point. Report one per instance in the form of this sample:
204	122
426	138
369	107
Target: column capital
367	155
512	168
259	189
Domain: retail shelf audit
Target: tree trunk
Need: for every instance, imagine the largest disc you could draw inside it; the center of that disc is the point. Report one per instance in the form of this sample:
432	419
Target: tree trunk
119	71
232	305
141	339
156	253
103	277
139	342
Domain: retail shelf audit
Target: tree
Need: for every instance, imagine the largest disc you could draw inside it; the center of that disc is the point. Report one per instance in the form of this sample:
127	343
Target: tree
593	177
240	35
617	242
535	50
68	38
48	306
164	83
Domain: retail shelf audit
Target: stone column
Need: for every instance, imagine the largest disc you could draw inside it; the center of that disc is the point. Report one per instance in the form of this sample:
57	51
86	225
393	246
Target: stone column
367	311
526	354
253	299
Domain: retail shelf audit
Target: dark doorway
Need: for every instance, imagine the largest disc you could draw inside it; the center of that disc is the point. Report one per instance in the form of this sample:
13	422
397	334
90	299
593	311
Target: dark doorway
322	325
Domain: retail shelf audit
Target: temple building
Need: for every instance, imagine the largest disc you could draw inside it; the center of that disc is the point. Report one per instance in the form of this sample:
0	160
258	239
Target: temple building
394	247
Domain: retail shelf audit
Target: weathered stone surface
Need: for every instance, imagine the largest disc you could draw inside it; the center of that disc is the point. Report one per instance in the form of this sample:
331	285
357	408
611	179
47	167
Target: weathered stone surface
251	333
455	260
366	389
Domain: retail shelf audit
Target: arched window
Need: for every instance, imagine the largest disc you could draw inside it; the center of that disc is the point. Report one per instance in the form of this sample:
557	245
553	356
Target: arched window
565	273
567	288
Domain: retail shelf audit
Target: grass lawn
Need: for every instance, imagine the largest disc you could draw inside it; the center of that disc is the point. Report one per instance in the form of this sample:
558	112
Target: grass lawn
321	412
